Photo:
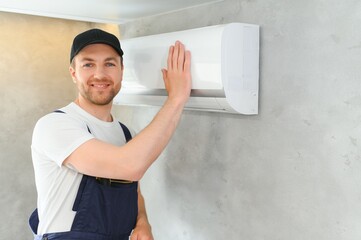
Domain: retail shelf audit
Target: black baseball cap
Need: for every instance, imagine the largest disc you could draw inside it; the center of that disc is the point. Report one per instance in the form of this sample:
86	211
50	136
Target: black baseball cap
93	36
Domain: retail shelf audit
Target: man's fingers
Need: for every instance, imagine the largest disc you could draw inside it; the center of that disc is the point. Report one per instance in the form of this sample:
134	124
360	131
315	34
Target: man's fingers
165	78
187	61
170	55
181	57
175	56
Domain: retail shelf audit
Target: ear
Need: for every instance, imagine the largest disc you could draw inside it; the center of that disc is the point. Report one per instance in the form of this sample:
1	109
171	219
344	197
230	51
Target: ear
72	73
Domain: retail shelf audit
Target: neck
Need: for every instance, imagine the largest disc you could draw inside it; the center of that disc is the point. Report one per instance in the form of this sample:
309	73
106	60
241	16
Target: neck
101	112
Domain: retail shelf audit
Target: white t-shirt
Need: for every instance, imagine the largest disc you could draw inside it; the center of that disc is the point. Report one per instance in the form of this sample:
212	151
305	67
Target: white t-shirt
55	137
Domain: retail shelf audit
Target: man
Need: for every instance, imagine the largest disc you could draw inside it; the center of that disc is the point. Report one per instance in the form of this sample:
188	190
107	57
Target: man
86	176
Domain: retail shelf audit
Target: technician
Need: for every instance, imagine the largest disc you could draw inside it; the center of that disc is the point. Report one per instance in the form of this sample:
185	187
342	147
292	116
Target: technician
87	164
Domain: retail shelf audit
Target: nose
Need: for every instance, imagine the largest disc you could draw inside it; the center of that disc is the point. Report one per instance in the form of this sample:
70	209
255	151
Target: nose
99	72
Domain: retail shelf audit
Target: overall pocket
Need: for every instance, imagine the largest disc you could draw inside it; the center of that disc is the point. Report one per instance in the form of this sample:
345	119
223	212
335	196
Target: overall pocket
109	210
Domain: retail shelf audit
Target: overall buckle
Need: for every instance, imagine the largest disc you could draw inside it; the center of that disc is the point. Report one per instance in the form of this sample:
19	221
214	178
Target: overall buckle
110	182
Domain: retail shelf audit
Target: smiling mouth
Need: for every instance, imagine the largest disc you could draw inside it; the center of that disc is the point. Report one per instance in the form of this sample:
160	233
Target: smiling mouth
102	86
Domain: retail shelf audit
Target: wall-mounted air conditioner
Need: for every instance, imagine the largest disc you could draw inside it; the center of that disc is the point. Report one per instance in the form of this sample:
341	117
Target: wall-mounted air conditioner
225	68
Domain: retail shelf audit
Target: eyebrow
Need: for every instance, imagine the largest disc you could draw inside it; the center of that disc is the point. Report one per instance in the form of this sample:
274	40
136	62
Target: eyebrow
110	59
92	60
85	59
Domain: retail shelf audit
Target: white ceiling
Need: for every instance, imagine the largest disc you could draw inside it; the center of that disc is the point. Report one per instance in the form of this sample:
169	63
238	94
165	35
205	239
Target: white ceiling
102	11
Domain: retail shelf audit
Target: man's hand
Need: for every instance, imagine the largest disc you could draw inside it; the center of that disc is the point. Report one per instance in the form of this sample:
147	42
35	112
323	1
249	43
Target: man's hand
177	78
142	231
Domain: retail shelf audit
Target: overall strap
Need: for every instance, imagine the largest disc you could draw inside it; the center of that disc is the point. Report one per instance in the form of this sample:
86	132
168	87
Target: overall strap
126	131
58	111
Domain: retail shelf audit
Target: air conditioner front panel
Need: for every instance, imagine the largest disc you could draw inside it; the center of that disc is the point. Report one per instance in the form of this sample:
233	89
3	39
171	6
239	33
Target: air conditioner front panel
224	68
144	57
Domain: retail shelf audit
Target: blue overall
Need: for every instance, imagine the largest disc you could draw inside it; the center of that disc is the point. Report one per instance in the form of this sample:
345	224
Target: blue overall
104	210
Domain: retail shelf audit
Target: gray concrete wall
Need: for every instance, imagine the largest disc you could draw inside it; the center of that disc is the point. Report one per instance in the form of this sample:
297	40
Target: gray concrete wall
293	171
34	78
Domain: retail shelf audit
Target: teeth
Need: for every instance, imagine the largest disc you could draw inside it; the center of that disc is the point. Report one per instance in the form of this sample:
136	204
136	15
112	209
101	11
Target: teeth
100	85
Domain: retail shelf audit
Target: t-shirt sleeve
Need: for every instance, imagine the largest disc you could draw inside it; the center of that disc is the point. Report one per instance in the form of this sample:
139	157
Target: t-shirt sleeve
57	135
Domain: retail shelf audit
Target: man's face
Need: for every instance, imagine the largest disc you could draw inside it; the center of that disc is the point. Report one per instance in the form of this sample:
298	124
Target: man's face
98	72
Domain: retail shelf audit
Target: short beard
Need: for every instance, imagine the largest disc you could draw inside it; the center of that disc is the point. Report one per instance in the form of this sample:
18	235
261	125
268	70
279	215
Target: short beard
99	99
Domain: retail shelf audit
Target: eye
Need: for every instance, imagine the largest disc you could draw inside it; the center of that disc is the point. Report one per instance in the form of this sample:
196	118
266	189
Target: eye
110	64
87	65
